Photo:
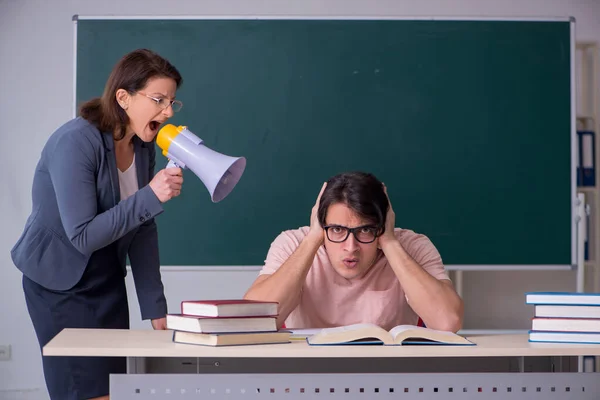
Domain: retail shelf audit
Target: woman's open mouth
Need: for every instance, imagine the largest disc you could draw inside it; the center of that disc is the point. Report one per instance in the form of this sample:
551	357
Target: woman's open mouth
154	125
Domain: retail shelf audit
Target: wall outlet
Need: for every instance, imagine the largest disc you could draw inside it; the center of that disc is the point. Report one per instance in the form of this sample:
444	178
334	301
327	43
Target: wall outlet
4	352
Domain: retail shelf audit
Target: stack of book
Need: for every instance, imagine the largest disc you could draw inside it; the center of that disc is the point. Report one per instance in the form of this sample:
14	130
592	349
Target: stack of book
226	323
565	317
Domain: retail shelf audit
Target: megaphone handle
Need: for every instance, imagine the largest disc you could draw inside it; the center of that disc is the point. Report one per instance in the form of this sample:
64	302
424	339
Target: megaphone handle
174	162
171	164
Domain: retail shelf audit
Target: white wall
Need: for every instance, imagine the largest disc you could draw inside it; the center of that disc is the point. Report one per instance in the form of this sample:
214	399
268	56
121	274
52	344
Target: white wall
36	76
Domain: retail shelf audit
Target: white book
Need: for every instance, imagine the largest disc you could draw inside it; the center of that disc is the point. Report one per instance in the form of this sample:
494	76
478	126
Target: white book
566	324
373	334
568	311
564	337
563	298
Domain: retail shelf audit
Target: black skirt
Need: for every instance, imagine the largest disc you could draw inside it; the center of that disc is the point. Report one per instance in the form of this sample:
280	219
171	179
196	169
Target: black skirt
99	300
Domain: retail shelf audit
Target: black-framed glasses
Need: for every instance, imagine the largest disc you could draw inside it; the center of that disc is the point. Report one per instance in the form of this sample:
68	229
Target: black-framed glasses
164	103
364	234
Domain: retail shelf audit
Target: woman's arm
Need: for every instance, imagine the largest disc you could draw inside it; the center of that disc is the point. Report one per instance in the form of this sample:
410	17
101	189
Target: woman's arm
72	167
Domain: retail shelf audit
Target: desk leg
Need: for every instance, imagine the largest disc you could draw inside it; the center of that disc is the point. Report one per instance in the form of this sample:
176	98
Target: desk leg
521	361
556	364
136	365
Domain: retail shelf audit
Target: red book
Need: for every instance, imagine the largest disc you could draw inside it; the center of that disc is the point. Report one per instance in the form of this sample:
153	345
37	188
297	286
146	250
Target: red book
192	323
229	308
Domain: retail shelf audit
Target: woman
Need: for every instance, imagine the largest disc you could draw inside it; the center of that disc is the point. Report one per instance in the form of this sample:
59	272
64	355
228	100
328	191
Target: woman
95	196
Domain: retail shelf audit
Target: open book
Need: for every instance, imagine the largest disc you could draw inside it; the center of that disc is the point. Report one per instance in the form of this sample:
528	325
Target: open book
373	334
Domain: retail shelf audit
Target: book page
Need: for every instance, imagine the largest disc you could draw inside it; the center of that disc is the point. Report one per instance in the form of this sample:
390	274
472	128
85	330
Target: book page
303	333
421	335
348	328
397	330
425	333
351	333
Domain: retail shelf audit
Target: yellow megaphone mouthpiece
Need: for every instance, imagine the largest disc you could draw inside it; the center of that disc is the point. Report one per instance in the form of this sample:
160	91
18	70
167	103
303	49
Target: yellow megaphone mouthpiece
167	135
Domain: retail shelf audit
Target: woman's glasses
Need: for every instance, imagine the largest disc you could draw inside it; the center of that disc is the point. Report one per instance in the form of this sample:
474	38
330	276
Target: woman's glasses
164	103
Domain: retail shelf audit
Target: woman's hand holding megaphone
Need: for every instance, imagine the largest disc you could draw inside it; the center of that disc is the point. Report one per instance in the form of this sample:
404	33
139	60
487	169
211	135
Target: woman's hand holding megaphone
166	184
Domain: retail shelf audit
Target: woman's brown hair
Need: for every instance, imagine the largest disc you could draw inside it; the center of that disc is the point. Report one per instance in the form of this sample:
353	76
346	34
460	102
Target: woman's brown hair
131	73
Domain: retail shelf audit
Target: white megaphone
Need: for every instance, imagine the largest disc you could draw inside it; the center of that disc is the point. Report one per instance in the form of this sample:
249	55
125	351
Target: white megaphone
218	172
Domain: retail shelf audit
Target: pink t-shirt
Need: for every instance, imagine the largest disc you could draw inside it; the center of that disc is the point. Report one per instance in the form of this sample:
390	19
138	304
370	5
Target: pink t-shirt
330	300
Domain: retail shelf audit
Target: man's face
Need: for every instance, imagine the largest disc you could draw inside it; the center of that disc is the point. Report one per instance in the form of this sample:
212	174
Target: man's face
351	259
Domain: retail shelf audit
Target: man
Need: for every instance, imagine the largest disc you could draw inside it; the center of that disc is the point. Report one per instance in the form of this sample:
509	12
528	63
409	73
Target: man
352	266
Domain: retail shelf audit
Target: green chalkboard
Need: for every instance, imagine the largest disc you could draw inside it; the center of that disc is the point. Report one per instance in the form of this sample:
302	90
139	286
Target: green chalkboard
467	122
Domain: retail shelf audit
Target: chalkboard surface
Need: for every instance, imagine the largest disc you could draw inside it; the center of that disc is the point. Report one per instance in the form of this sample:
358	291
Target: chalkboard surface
467	122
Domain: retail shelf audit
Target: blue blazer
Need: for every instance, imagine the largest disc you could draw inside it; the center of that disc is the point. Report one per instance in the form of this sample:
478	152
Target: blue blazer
77	210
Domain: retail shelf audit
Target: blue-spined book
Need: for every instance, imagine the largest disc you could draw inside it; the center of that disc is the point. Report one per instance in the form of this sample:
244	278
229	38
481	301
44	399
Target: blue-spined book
566	311
370	334
563	298
564	337
586	168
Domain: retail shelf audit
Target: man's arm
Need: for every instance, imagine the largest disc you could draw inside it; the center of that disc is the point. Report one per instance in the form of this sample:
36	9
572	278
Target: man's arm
434	300
285	284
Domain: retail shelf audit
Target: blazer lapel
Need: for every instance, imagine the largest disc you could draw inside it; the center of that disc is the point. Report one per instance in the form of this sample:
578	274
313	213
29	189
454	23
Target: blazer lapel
111	161
141	162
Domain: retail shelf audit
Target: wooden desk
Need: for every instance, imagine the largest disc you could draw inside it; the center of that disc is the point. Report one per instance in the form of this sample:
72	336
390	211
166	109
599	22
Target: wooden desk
138	345
146	343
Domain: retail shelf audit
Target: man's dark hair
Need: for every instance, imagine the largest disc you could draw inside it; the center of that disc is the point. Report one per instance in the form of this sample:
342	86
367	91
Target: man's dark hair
360	191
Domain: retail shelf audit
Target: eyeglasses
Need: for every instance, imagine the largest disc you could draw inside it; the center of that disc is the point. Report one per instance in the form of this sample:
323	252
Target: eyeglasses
339	234
164	103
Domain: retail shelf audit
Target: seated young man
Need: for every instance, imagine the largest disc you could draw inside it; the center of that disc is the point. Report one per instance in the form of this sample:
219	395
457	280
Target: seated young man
351	265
